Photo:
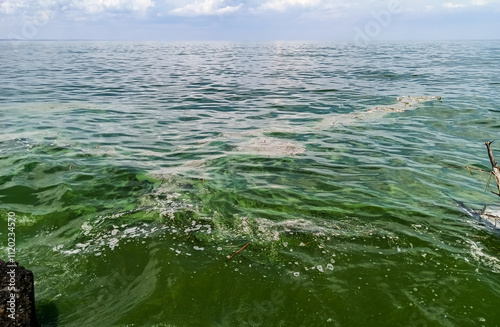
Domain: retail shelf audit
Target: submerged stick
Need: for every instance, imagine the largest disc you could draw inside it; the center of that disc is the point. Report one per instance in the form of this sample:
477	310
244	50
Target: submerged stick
469	168
494	166
235	253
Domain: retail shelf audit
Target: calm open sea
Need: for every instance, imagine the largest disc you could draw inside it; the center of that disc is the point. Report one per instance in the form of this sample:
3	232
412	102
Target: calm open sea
136	169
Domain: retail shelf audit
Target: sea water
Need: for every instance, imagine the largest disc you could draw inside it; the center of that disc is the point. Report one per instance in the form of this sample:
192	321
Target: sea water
252	184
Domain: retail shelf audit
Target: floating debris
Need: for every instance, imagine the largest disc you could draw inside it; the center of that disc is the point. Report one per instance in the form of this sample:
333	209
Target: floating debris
271	146
404	103
235	253
491	215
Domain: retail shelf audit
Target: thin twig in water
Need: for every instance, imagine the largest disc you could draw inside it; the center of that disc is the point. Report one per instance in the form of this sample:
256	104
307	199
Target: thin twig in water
469	168
488	182
235	253
494	166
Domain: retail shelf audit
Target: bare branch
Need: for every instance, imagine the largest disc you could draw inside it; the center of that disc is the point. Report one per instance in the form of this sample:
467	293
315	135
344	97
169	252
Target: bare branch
494	167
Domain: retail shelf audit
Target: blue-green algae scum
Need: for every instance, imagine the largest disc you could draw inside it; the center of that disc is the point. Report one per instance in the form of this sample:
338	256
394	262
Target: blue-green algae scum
252	184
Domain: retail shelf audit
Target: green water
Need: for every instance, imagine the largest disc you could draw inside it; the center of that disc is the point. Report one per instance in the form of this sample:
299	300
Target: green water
132	187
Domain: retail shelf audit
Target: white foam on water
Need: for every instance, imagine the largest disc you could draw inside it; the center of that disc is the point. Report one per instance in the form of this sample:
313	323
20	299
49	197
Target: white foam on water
173	214
86	227
98	238
258	141
480	256
404	103
270	146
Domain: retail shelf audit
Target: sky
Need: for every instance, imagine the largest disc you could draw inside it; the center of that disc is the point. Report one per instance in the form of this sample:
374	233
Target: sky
360	21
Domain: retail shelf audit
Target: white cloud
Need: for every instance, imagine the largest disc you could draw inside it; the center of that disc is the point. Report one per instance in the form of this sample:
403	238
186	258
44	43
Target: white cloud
451	5
28	7
99	6
10	7
326	10
282	5
260	18
204	8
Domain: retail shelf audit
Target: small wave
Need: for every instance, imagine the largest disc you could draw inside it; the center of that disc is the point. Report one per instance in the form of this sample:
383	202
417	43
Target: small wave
261	141
478	254
404	103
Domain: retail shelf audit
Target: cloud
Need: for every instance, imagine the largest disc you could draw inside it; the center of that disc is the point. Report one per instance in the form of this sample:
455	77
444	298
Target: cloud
282	5
451	5
479	2
99	6
205	8
254	19
77	7
9	7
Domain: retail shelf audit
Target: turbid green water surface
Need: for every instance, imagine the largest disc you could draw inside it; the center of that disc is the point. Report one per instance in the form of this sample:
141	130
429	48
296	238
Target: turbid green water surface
136	169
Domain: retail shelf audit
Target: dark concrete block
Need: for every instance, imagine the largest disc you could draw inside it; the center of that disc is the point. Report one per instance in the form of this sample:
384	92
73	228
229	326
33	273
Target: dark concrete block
17	296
